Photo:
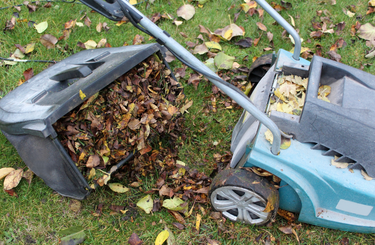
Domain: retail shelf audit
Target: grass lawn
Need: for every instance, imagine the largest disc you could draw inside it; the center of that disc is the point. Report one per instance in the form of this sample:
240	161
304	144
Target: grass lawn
39	213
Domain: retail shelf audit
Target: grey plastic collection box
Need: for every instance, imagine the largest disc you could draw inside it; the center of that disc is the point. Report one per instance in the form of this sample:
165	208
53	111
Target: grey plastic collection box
28	112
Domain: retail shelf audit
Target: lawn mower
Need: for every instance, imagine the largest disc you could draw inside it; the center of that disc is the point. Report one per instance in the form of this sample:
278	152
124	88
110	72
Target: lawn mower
341	126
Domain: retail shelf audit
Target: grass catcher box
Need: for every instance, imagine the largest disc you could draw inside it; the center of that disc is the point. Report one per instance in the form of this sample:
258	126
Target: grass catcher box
27	114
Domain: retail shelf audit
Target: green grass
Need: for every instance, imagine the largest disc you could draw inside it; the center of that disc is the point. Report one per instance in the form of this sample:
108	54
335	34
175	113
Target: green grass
39	213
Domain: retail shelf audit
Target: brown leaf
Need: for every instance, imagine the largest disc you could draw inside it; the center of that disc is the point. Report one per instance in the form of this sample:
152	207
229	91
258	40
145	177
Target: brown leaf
70	24
116	208
11	193
65	35
177	216
93	161
334	56
47	5
29	73
87	21
20	47
316	34
28	175
99	27
203	190
9	25
134	124
286	229
138	39
256	41
135	240
48	41
13	179
289	216
155	17
178	226
166	191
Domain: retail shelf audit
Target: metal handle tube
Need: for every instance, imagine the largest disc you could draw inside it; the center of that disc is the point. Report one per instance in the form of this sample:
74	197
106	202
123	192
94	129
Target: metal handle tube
285	24
169	42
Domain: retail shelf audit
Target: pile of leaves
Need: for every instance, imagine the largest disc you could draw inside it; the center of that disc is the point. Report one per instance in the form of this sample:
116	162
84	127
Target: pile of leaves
134	114
289	96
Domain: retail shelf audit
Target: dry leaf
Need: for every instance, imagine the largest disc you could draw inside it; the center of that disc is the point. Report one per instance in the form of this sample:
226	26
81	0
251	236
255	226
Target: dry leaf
13	179
48	41
5	171
186	11
261	26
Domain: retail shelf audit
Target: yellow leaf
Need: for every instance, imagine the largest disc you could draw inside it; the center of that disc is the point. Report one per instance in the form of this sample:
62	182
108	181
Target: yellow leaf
132	2
117	187
279	95
198	222
146	203
269	136
162	237
213	45
29	48
371	3
82	95
5	171
324	90
92	173
228	34
285	143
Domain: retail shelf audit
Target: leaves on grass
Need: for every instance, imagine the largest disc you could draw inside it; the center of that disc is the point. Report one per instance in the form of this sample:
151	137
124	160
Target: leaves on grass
186	11
261	26
231	31
146	204
13	179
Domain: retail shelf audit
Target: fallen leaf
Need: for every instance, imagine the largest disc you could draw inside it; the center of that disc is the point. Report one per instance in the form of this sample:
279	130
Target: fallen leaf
200	49
99	27
213	46
82	95
29	73
13	179
162	237
70	24
29	48
41	27
135	240
261	26
90	44
186	106
87	21
231	31
117	187
28	175
178	226
198	222
75	205
176	204
245	43
5	171
101	43
138	39
146	204
177	216
223	61
48	41
186	11
76	234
